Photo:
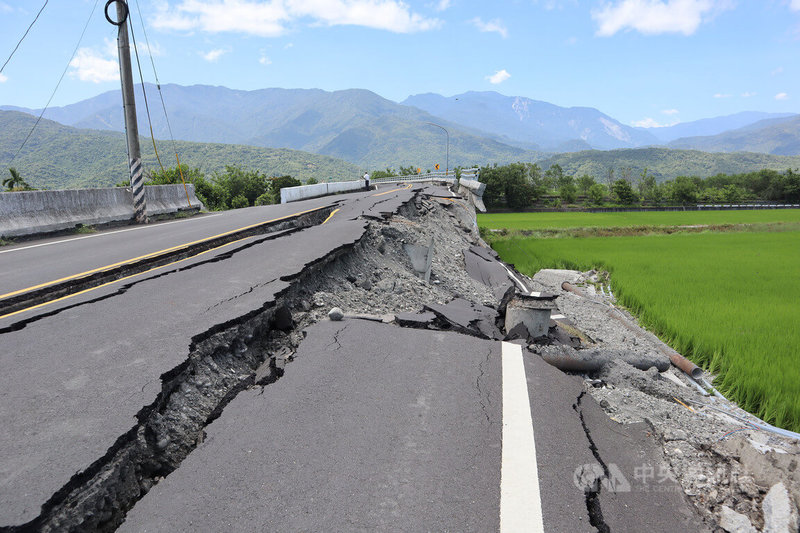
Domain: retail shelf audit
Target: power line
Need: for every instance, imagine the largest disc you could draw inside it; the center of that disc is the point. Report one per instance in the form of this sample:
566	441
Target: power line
59	82
158	83
163	105
144	93
24	35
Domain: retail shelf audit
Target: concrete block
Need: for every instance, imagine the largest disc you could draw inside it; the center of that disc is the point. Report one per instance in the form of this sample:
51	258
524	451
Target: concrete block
531	311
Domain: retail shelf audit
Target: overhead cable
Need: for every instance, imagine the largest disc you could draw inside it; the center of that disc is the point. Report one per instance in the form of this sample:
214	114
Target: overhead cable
24	35
163	105
144	93
94	7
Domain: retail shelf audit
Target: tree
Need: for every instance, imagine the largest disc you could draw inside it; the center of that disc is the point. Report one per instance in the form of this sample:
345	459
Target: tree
312	181
15	182
508	185
553	176
597	193
684	191
585	182
609	177
648	188
568	193
624	192
388	173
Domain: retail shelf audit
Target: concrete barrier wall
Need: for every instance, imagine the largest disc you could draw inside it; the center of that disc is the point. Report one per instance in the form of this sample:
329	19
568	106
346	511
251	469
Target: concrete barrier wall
32	212
304	192
473	185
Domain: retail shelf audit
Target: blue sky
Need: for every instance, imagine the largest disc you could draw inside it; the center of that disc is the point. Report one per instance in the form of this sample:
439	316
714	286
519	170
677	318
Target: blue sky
643	62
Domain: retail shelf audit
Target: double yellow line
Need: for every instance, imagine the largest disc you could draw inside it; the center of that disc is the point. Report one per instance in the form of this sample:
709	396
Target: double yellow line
153	255
144	257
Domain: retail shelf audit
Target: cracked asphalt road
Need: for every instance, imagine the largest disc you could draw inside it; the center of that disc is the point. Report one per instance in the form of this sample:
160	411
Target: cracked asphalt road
77	372
372	427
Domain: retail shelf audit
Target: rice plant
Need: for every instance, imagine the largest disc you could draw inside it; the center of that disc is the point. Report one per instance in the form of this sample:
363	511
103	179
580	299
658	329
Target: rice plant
728	301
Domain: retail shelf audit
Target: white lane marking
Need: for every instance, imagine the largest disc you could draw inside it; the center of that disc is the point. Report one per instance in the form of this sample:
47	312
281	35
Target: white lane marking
520	501
104	234
557	317
518	281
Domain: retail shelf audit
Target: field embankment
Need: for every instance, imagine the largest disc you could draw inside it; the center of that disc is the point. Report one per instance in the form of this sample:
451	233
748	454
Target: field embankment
728	300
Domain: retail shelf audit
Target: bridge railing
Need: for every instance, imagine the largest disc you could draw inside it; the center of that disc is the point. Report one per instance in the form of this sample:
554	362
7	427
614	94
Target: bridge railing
428	176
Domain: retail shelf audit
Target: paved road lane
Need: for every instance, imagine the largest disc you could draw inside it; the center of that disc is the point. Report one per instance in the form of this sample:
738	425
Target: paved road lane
78	371
372	427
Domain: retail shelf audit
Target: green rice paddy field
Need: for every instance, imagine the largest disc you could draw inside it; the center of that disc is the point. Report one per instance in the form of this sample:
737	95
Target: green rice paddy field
730	301
538	221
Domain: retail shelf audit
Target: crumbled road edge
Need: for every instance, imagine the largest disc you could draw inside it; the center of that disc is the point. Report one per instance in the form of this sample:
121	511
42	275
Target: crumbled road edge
725	468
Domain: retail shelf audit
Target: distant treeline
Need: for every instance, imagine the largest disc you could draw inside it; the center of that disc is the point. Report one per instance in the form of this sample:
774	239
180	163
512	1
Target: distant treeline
229	189
520	186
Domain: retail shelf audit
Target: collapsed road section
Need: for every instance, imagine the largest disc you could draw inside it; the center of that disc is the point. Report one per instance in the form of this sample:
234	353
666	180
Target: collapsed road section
175	406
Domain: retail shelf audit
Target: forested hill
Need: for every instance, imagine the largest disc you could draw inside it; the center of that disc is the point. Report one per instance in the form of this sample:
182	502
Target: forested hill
665	163
58	156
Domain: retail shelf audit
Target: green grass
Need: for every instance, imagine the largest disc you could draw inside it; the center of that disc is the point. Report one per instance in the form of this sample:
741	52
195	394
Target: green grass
534	221
728	301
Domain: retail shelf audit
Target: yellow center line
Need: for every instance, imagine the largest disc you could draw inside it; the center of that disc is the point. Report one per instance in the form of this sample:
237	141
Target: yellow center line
150	255
117	280
331	215
394	190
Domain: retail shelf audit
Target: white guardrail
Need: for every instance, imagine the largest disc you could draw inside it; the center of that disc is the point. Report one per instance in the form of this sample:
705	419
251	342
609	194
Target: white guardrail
304	192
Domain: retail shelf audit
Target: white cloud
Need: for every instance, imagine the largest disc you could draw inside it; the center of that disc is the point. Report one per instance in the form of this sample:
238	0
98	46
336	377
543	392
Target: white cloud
443	5
96	67
288	45
794	5
778	70
213	56
781	96
3	78
722	95
571	41
495	25
498	77
271	18
550	5
648	122
748	94
264	60
670	111
5	8
652	17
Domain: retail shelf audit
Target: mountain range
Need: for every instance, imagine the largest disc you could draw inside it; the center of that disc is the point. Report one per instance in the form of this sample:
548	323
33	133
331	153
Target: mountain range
363	128
358	129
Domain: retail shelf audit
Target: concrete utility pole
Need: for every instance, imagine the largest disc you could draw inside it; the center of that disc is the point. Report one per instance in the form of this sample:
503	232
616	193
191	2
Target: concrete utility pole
129	107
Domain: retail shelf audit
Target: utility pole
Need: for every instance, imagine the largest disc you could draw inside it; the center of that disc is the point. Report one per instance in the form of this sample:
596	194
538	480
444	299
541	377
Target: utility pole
447	157
129	107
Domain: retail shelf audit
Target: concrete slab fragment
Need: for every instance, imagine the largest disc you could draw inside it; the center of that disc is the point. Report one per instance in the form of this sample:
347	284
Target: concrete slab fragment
468	317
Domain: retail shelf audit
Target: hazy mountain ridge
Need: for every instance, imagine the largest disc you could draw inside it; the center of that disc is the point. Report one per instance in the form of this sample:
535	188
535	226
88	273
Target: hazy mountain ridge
777	136
527	122
713	125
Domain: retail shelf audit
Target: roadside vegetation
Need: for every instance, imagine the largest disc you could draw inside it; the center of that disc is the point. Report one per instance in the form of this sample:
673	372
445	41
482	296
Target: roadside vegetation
231	188
726	300
520	186
15	182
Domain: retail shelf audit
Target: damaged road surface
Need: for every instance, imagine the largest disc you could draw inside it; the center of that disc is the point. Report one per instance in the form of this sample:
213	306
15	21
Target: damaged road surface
214	394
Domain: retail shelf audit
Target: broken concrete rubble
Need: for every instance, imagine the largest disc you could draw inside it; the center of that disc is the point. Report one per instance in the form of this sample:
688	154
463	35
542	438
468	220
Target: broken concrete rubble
724	466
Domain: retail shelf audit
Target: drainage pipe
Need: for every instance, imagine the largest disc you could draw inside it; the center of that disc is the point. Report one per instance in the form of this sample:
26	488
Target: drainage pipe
760	424
677	359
